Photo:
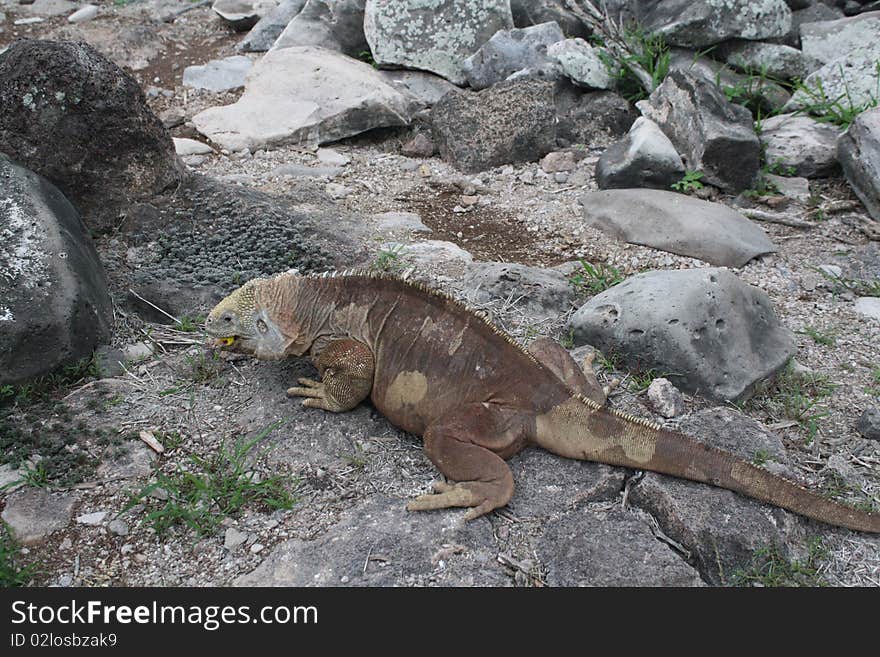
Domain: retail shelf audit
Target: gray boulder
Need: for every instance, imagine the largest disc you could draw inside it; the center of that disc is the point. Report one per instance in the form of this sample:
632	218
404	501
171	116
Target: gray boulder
859	153
816	12
437	36
592	118
851	81
331	24
801	142
241	14
703	329
772	59
307	96
701	23
540	292
868	424
107	148
738	87
712	135
826	41
644	158
581	64
582	547
54	304
218	74
677	223
507	123
380	543
535	12
269	27
509	51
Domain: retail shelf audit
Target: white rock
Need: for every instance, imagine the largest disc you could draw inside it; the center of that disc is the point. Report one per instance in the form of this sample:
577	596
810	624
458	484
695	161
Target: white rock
581	63
234	538
84	13
793	187
390	221
868	306
184	147
337	191
218	74
27	21
94	519
664	398
334	158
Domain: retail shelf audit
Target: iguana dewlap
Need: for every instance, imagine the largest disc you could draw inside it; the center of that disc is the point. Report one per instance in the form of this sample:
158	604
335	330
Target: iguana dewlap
437	369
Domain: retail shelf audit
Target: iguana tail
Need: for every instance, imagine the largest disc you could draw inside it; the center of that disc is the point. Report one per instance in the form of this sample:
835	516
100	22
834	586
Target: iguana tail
581	429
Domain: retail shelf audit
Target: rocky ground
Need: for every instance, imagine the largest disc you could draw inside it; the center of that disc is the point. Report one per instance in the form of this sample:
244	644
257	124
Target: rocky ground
111	503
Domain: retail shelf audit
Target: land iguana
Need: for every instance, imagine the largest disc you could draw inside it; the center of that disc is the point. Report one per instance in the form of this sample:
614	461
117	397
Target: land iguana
437	369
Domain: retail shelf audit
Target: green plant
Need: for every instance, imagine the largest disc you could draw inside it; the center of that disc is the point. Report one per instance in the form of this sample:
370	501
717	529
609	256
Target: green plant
752	90
779	168
819	337
593	279
36	475
796	396
691	182
769	568
763	187
761	457
567	340
389	259
649	52
204	367
191	324
212	489
12	572
641	380
367	57
839	110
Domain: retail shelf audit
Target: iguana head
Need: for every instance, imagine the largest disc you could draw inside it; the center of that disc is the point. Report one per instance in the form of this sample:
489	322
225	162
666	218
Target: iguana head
238	324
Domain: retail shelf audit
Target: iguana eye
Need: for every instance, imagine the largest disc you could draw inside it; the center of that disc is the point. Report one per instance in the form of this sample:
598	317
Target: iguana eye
261	326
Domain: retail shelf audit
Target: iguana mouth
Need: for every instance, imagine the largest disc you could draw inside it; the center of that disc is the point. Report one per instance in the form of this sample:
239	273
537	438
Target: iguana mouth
224	342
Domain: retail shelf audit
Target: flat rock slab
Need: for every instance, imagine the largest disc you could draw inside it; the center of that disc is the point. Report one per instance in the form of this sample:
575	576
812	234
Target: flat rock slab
859	153
703	329
34	513
508	123
305	96
677	223
433	35
547	485
380	543
609	548
218	74
720	528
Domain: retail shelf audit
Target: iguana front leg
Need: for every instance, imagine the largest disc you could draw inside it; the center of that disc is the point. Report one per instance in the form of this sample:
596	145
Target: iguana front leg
469	447
346	369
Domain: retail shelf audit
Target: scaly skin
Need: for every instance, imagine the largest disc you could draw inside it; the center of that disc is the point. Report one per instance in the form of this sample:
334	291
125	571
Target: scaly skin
438	370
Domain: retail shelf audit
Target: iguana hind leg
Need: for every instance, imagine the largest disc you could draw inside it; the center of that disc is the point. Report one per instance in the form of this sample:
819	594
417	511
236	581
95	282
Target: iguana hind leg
346	369
558	360
470	448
